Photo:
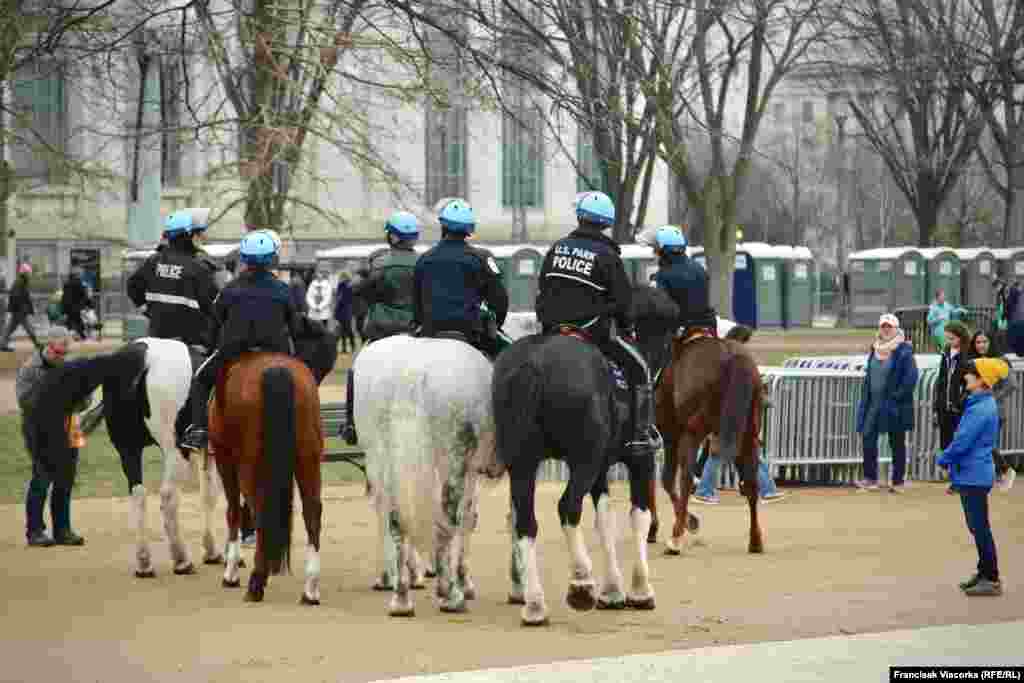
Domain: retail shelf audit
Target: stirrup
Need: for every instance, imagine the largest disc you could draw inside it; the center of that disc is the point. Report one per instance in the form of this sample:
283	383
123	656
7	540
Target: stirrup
195	439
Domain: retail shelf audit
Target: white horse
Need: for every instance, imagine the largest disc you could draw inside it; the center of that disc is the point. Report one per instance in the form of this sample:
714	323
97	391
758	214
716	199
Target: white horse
145	385
423	413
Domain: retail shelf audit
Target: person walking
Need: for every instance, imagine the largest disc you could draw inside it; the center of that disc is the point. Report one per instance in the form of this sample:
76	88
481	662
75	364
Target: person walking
939	313
343	312
887	402
20	309
949	395
319	299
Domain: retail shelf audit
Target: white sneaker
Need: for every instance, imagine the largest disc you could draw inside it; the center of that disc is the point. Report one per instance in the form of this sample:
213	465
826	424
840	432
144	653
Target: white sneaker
773	497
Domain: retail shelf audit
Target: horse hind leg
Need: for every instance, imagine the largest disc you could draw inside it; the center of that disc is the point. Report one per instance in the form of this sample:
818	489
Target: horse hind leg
143	555
448	543
209	488
312	515
749	488
582	594
527	589
612	595
469	524
682	487
233	557
401	602
388	577
641	471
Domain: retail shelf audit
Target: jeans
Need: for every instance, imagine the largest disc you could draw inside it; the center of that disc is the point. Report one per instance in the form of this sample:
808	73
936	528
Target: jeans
708	487
974	500
35	501
898	444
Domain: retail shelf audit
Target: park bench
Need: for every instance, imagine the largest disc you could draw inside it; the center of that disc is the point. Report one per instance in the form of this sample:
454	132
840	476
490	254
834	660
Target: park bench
332	417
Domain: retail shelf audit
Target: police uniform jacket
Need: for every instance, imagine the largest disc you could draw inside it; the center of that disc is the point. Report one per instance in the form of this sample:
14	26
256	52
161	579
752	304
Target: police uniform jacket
178	290
255	309
388	291
450	283
687	283
583	278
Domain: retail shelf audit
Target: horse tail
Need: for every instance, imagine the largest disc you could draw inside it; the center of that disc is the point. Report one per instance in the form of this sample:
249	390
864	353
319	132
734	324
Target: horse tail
279	463
410	476
517	400
740	382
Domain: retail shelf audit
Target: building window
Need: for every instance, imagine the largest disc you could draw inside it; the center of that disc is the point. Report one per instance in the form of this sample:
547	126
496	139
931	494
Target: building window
808	114
522	159
172	90
592	172
39	99
446	152
780	110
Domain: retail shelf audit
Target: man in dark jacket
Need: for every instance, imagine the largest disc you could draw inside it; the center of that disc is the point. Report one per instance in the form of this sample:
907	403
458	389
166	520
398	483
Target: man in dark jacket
20	309
583	284
73	301
453	279
176	285
254	310
685	281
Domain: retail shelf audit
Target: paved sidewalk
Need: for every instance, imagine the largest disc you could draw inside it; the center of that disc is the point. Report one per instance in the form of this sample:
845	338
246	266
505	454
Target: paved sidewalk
839	659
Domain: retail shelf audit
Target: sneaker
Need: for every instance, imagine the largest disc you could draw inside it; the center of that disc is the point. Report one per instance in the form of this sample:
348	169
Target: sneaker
971	582
706	500
348	432
773	497
194	439
40	539
864	485
249	541
950	491
985	587
1006	481
68	537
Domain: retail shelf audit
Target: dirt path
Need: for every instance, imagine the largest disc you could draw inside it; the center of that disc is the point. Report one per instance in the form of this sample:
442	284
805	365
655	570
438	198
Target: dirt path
836	562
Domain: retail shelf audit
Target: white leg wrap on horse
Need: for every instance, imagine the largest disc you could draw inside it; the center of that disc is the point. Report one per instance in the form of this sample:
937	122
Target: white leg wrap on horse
534	611
143	558
234	559
580	569
612	589
312	574
641	589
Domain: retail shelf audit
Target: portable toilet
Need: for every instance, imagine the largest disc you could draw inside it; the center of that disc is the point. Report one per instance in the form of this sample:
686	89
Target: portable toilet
799	290
641	263
769	269
1011	263
943	273
882	280
520	268
978	269
744	290
352	257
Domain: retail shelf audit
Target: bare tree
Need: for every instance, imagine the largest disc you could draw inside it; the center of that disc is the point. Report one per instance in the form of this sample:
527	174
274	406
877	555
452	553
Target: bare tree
924	124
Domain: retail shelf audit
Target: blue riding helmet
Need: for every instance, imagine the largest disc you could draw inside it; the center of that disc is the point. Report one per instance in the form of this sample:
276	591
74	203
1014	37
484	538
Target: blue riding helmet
596	207
258	248
200	219
670	238
457	216
403	225
177	224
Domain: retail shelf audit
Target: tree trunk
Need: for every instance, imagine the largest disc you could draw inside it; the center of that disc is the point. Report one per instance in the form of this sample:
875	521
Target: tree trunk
1013	228
927	215
713	209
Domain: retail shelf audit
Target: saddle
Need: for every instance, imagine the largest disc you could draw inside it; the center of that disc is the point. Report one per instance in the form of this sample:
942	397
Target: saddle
689	334
617	374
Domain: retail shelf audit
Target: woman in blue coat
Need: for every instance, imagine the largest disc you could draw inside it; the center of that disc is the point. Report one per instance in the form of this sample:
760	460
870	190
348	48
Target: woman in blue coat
887	402
343	312
969	461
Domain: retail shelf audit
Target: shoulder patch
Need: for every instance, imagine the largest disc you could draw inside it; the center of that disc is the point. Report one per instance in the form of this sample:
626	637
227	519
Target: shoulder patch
493	265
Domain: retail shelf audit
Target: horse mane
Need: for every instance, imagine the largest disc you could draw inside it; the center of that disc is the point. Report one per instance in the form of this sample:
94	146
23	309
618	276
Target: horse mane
654	305
316	347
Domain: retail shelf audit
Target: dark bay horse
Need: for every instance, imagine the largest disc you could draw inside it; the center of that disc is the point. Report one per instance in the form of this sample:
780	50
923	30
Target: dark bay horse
555	397
265	432
711	386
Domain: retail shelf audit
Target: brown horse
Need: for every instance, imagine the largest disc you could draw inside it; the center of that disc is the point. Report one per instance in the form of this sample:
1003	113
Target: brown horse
265	432
711	386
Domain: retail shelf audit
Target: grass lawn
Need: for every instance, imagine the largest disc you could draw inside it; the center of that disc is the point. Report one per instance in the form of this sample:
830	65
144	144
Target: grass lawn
99	468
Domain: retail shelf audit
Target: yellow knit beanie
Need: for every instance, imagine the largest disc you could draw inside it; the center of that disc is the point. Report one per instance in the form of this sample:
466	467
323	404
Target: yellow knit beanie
991	370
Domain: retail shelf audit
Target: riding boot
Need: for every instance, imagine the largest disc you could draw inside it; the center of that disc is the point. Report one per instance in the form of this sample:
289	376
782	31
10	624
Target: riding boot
646	439
348	430
195	438
91	418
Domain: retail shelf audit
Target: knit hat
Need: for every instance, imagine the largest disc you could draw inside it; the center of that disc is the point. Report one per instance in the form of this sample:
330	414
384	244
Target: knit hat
990	370
888	319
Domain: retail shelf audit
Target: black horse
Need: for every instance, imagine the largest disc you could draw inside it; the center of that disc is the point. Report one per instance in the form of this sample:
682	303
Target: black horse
556	396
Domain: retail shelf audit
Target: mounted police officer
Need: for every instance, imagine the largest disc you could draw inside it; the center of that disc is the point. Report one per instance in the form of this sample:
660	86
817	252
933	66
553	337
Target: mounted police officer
254	311
685	281
453	279
176	285
583	284
388	291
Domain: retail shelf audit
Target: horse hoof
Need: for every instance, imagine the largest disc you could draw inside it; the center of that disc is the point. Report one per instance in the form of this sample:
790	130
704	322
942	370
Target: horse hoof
241	563
640	603
187	570
756	549
145	574
613	601
673	547
402	612
417	585
534	615
430	574
383	587
692	523
215	560
230	584
456	608
305	600
470	593
514	599
253	597
652	533
581	597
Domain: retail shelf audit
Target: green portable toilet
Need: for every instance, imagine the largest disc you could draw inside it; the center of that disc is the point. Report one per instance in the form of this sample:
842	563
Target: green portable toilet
799	289
978	269
943	273
882	280
769	263
1011	263
351	257
520	268
640	261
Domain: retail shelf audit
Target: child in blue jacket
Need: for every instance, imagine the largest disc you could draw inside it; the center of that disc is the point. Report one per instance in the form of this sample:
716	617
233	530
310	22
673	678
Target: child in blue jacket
969	461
